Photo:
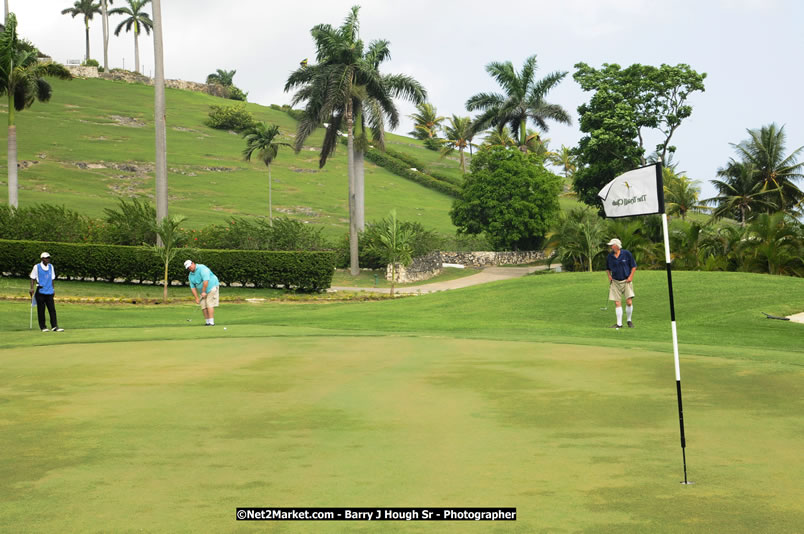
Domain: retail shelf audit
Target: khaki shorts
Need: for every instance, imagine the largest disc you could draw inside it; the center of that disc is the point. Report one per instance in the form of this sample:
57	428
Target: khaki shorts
620	290
211	300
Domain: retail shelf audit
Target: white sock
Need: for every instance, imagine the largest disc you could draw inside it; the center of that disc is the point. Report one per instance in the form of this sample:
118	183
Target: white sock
619	312
629	310
206	321
212	322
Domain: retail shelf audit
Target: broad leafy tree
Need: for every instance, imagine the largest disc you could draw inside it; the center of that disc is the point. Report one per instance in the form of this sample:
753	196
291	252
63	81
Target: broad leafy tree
346	74
22	81
523	99
625	105
87	9
263	141
137	21
510	197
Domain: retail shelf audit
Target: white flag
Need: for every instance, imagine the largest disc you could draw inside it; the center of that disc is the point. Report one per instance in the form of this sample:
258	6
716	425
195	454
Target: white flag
637	192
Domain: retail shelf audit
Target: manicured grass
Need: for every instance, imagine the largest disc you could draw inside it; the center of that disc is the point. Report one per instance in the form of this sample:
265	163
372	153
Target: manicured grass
508	394
208	179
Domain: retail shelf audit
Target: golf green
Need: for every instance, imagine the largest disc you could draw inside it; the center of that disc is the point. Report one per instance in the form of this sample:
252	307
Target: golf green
174	435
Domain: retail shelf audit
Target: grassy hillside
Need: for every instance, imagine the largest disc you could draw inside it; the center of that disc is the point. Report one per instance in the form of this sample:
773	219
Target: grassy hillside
94	143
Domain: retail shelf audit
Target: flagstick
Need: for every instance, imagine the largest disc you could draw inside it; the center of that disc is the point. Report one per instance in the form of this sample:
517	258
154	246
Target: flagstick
675	345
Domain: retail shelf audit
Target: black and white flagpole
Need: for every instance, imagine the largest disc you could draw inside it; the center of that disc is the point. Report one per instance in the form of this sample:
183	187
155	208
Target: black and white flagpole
641	192
673	325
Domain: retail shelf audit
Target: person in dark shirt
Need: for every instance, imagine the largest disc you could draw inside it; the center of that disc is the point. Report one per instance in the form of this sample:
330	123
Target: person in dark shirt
620	266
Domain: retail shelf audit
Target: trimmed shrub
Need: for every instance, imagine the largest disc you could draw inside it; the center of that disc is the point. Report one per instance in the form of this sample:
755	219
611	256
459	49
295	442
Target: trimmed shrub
235	93
235	117
46	222
258	234
302	271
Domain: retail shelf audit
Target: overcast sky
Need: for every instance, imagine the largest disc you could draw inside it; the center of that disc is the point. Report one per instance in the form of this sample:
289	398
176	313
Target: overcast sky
751	51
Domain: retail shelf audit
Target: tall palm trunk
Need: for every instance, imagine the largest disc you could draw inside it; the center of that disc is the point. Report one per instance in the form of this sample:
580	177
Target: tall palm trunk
136	51
270	208
360	189
523	135
463	160
105	17
12	154
86	26
159	116
354	264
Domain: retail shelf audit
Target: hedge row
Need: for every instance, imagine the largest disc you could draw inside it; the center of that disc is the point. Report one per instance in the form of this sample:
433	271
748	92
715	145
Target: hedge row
402	169
300	270
413	162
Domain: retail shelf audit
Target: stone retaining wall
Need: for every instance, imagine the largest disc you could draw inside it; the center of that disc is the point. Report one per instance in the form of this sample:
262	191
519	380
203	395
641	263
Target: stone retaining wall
426	267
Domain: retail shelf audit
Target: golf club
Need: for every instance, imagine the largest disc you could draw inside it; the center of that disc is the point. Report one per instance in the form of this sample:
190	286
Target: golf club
30	323
608	295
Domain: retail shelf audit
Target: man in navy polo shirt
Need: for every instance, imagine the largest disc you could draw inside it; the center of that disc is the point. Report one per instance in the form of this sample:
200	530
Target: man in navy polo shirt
42	277
620	266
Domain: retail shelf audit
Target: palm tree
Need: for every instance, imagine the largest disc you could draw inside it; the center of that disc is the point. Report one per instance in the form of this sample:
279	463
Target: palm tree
86	8
523	100
394	245
332	91
680	194
159	116
578	240
765	151
774	245
138	20
458	135
499	137
22	80
739	194
261	139
427	121
222	77
565	160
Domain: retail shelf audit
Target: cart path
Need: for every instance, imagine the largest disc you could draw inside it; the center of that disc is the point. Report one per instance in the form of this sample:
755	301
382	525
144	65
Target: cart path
489	274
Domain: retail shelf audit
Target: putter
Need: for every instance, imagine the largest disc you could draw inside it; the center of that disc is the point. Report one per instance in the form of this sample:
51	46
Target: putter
607	299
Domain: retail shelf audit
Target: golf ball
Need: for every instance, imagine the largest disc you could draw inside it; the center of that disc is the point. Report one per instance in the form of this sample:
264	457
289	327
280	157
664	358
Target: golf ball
224	328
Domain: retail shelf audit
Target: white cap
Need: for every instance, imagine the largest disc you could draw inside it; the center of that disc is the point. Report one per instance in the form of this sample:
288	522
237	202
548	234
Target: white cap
187	264
615	241
44	255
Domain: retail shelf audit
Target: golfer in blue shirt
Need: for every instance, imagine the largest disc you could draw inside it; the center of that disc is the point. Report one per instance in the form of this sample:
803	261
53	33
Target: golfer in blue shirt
620	266
202	278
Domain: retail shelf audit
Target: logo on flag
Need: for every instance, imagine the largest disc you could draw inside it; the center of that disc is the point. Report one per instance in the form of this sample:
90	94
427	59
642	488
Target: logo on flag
637	192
